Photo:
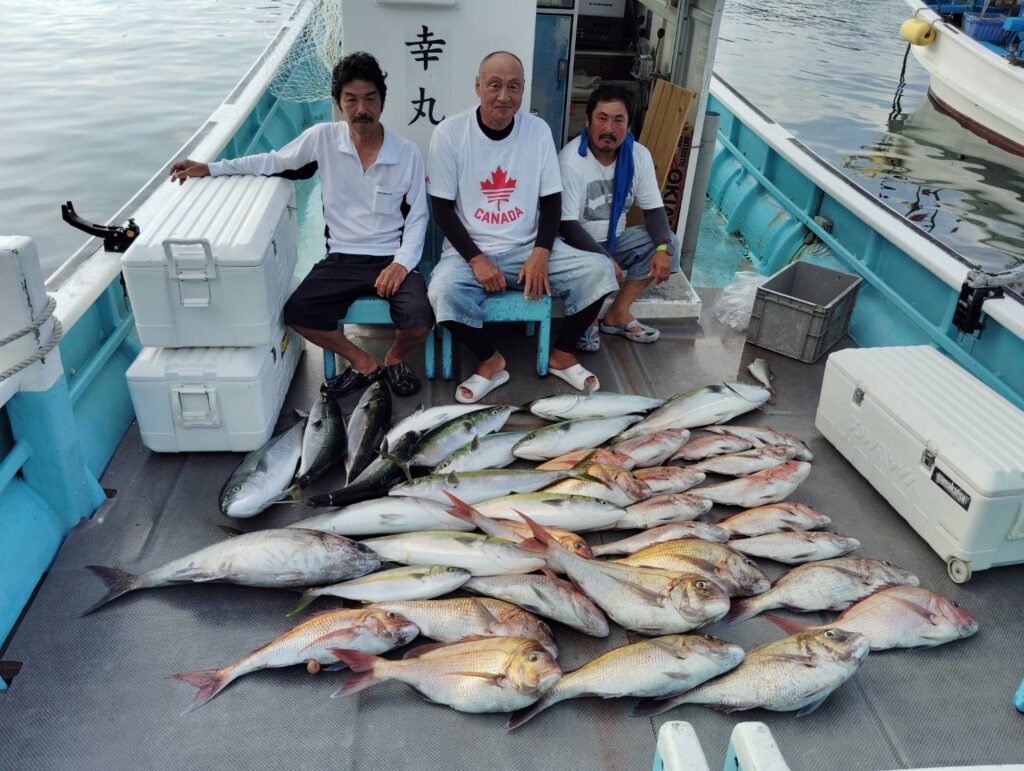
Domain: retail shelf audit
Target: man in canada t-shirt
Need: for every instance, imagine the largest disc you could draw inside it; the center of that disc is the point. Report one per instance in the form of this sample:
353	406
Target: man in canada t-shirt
495	187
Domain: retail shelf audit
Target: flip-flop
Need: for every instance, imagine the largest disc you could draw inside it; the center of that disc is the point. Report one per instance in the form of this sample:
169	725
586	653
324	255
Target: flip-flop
641	333
480	386
576	376
590	342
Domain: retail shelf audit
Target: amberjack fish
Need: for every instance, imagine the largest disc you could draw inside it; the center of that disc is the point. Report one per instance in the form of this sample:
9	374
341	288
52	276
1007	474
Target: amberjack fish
376	479
602	404
484	452
424	420
324	440
436	446
264	475
560	438
366	428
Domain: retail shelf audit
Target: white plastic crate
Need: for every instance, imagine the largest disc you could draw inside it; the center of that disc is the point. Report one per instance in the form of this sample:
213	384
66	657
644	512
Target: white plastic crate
215	266
942	447
212	399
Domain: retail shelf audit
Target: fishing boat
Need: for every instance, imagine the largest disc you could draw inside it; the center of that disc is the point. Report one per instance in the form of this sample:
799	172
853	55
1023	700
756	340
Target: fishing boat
973	52
78	487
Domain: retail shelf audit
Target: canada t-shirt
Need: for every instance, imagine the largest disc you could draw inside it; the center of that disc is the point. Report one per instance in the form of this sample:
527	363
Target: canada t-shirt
495	183
587	188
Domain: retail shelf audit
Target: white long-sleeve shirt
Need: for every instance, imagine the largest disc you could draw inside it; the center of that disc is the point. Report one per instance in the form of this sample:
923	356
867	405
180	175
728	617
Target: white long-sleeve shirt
362	210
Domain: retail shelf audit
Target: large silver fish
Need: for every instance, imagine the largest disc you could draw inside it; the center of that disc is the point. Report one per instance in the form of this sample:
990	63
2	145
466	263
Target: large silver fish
478	676
436	446
760	436
577	513
663	510
796	547
656	668
424	420
768	486
775	518
701	447
560	438
412	582
702	407
281	558
674	532
484	452
366	629
666	480
324	441
548	596
827	585
736	573
898	617
263	475
602	404
653	449
796	673
455	619
644	600
476	486
366	428
482	555
747	462
384	516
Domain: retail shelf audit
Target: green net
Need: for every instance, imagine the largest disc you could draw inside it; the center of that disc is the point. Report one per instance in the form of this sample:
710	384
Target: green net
305	73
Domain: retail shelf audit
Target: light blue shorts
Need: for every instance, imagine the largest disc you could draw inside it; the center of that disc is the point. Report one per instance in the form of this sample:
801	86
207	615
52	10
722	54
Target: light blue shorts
582	278
634	250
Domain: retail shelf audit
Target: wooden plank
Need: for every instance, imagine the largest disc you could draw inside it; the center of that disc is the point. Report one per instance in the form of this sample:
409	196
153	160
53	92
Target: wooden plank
664	125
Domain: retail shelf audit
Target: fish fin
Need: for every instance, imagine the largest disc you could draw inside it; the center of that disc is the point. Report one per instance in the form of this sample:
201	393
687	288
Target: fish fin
307	597
793	658
210	682
812	706
533	546
230	532
290	495
558	580
462	510
542	542
419	650
475	444
583	464
496	679
521	716
362	664
643	591
300	414
651	707
337	635
914	608
337	666
117	581
403	465
787	625
740	610
452	479
488	617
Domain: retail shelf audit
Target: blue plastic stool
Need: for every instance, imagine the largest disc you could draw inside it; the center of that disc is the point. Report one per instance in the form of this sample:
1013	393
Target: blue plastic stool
1018	697
374	310
510	306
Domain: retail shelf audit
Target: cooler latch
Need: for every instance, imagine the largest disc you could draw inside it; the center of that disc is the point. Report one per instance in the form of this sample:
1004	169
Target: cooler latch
858	396
190	262
195	406
928	458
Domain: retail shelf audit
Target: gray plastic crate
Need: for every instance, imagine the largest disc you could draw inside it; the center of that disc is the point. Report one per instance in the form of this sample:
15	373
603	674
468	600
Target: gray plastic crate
803	310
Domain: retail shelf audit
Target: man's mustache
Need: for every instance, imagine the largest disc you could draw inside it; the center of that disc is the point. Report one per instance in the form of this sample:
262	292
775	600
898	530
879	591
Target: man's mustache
363	118
610	137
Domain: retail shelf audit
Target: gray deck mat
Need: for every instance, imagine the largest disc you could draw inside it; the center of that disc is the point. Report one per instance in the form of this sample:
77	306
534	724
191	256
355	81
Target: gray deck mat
92	693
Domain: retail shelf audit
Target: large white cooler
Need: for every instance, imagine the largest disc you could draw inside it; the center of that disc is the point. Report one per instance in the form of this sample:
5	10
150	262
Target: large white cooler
215	266
942	447
210	399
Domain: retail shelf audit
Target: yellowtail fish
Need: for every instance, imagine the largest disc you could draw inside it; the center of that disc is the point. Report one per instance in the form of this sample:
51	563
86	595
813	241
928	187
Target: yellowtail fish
557	439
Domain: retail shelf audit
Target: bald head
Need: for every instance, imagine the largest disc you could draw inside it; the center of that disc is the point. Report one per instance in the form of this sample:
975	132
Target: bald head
500	85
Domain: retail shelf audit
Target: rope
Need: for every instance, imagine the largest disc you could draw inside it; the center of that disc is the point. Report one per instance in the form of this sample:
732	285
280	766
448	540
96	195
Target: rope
897	99
41	353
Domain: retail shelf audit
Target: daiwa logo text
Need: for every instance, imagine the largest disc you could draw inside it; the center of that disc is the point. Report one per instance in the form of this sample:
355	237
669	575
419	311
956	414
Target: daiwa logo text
887	460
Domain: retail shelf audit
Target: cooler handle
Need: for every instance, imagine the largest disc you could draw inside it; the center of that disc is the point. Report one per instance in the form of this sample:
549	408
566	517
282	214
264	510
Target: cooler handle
195	406
189	264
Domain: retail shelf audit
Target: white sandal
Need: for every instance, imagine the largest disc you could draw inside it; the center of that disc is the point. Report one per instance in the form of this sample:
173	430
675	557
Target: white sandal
479	386
576	376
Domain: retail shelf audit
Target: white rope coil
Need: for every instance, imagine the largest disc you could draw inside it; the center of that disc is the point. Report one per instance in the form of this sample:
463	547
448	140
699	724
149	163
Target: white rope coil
33	326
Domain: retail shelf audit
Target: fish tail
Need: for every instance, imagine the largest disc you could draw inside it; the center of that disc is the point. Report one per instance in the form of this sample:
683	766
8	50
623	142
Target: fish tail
580	470
789	626
741	610
603	549
521	716
651	707
362	665
542	542
462	510
290	495
210	682
117	581
307	597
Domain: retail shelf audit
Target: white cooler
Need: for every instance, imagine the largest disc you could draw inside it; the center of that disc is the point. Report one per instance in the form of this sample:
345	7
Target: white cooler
212	399
943	448
216	267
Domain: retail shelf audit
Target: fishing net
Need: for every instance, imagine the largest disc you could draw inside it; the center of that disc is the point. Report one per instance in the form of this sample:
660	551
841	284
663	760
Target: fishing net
305	73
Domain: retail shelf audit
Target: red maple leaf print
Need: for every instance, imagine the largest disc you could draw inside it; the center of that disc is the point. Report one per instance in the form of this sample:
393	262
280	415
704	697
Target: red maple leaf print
499	187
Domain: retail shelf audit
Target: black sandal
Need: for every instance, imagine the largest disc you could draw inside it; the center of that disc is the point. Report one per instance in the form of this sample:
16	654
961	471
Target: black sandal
401	379
348	382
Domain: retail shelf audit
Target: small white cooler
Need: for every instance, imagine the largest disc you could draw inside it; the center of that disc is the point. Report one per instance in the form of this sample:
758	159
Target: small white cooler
212	399
942	447
215	268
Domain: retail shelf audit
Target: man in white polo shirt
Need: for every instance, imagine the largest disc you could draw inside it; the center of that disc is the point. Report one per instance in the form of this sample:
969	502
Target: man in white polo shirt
493	179
375	209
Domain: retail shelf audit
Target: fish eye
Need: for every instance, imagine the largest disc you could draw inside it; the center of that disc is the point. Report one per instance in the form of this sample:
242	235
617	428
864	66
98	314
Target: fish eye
830	633
236	488
749	562
578	546
390	614
533	657
886	563
702	584
955	605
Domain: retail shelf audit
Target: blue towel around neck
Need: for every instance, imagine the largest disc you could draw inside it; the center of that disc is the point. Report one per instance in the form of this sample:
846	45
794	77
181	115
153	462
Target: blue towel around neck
621	182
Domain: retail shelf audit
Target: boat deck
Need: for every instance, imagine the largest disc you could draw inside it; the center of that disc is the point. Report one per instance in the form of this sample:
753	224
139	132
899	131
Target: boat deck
92	693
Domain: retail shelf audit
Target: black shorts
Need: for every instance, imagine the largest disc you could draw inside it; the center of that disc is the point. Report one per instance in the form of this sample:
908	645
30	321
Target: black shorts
334	283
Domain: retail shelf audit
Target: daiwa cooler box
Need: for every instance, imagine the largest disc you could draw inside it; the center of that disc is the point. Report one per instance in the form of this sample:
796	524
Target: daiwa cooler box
942	447
212	399
216	268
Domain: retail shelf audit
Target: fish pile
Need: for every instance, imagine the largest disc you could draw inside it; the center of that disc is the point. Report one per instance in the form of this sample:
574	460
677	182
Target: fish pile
448	527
